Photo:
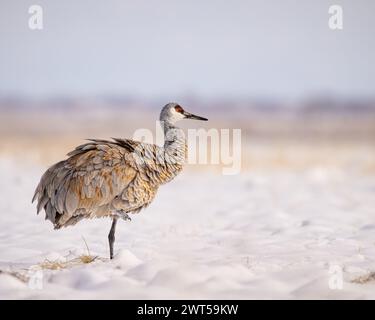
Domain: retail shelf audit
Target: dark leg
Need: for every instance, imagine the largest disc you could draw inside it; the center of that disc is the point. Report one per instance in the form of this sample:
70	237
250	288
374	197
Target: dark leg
111	237
123	215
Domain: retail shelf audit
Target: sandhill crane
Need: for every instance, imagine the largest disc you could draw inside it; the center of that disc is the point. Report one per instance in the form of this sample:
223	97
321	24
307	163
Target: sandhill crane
112	178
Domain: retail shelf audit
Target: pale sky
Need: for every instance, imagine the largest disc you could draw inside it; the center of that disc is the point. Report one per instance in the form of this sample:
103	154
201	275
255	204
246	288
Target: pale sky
166	48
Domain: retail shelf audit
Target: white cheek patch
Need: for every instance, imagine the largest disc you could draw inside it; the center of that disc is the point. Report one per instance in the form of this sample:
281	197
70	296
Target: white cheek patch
176	115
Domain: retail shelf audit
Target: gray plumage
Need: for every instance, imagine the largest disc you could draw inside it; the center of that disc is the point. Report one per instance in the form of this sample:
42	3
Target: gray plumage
111	178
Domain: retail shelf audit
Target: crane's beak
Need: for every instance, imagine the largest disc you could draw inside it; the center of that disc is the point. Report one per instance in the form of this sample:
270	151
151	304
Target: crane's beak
193	116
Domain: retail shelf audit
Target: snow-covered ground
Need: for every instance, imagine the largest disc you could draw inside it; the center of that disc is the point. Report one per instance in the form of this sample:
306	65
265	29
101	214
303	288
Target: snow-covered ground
255	235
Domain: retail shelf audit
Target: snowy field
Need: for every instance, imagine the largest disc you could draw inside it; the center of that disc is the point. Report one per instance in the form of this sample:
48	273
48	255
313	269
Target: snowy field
260	235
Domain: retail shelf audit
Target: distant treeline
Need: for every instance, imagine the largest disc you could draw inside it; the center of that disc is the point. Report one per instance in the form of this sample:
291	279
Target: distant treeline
317	105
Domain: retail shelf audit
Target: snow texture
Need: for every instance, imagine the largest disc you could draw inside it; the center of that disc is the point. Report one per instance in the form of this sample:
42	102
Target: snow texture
257	235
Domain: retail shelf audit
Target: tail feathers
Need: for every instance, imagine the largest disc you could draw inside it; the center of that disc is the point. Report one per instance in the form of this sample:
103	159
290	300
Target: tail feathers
46	192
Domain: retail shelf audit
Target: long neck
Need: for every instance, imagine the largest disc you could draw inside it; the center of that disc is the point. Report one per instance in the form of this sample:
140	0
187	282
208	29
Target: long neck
174	142
162	164
174	151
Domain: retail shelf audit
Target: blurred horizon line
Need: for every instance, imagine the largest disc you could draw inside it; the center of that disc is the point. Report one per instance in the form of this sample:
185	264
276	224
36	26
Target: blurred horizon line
323	103
309	106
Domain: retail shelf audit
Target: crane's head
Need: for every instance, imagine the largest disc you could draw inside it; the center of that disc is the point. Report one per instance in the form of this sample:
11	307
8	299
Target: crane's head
173	112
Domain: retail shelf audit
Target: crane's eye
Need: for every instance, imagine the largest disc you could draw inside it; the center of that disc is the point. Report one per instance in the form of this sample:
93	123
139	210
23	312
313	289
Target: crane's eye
179	109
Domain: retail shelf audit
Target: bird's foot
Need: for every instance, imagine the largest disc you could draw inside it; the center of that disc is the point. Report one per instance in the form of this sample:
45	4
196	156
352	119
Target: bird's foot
123	215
